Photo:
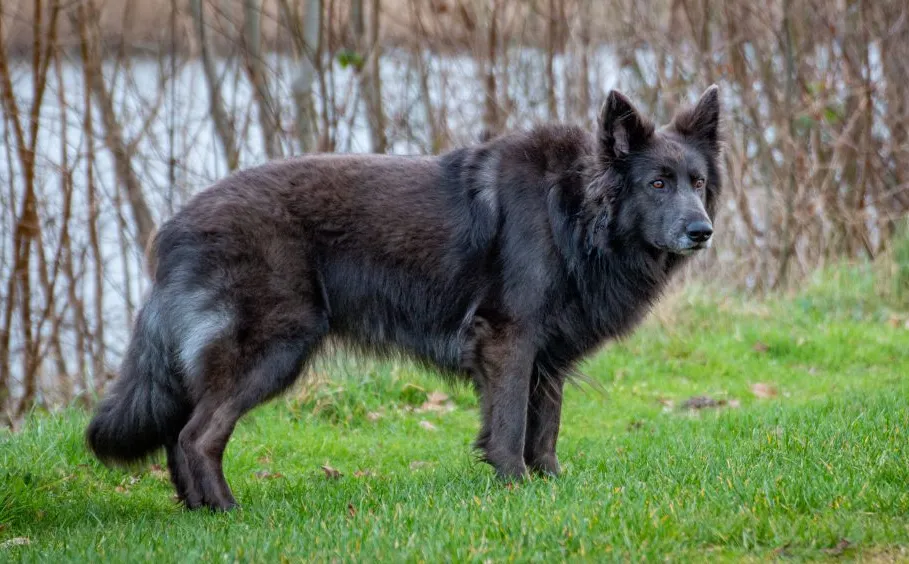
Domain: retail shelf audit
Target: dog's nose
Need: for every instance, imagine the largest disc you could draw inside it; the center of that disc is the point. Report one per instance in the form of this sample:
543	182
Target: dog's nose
699	231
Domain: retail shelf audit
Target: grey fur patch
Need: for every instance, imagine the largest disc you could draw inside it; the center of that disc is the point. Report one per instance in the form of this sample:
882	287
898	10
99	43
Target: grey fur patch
201	321
488	178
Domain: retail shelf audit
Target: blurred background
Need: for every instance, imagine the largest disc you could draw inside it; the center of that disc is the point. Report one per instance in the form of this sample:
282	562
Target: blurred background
114	112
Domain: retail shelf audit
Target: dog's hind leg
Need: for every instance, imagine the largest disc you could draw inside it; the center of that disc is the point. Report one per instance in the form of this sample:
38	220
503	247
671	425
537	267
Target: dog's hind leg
543	418
202	442
180	476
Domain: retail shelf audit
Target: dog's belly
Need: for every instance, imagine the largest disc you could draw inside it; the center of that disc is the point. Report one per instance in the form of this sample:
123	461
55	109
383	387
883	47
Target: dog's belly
386	309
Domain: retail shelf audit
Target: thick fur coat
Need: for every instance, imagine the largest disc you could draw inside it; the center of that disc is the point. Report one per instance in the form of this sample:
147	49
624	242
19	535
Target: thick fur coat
503	263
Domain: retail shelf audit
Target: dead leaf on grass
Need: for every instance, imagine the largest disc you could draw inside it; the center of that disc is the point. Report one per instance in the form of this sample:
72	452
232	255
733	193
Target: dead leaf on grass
437	402
424	424
15	541
763	391
268	475
839	549
351	510
417	464
331	473
437	398
668	404
760	347
364	474
783	551
158	472
700	402
373	416
705	402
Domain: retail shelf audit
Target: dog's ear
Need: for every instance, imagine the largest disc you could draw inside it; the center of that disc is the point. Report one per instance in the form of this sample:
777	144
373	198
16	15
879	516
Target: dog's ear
701	122
622	128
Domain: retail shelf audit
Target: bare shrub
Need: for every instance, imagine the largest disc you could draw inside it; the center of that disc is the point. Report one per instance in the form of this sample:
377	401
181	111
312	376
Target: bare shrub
115	112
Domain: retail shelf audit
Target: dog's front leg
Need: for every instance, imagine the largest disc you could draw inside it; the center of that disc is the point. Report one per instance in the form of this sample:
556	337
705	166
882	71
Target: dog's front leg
543	418
506	361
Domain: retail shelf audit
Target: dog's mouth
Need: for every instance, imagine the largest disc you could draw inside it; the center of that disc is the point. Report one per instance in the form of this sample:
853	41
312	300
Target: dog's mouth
689	247
692	250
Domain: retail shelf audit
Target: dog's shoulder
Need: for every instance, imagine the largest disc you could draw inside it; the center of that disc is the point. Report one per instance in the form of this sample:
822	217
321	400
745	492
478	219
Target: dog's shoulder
541	157
551	147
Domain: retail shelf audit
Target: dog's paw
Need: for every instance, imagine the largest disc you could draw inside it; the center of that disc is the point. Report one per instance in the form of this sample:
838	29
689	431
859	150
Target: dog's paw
547	465
511	470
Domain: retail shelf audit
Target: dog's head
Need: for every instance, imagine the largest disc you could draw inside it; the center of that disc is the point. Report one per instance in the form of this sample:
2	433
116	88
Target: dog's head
655	186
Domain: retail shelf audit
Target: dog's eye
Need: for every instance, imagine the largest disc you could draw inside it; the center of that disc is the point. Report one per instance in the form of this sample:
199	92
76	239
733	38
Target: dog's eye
700	183
658	184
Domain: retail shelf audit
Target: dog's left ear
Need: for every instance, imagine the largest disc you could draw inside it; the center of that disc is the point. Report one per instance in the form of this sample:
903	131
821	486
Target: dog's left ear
701	122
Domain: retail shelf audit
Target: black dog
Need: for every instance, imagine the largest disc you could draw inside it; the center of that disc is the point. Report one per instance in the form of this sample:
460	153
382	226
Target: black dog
504	263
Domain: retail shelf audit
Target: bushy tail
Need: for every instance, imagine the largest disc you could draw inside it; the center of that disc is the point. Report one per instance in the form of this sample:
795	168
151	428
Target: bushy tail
146	406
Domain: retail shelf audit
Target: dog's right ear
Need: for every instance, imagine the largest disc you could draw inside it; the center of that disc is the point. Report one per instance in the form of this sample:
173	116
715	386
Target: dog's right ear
622	128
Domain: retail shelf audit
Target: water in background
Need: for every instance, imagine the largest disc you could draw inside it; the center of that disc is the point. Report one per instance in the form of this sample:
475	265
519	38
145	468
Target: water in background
147	105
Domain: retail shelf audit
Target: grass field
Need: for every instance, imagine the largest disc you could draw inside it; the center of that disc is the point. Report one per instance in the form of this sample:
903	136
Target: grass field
804	456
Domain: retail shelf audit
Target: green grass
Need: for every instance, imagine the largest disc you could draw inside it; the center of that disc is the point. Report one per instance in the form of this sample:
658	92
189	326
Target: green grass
791	475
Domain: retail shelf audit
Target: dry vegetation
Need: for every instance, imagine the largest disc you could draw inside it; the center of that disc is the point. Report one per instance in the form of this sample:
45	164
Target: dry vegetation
102	126
443	25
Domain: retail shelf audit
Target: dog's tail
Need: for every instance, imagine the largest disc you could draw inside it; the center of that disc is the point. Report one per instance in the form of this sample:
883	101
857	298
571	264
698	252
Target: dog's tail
147	406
